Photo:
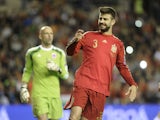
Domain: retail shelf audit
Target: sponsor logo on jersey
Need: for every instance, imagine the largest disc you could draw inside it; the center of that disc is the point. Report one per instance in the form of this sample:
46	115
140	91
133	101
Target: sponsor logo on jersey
104	41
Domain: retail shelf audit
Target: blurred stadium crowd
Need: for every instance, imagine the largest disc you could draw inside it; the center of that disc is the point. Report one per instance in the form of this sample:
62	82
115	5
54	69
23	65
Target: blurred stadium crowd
20	21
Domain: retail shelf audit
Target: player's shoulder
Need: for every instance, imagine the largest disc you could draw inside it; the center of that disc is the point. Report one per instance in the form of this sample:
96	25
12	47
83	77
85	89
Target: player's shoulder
90	32
33	49
118	40
59	50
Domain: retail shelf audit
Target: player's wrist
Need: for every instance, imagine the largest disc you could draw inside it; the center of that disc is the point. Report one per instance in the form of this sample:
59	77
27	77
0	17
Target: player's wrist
74	40
52	66
24	85
60	70
24	93
135	86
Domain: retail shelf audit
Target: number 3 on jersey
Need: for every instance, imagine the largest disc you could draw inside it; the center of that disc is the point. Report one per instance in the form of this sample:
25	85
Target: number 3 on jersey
95	43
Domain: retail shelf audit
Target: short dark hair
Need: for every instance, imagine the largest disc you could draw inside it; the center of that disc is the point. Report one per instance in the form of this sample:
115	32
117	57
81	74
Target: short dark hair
108	10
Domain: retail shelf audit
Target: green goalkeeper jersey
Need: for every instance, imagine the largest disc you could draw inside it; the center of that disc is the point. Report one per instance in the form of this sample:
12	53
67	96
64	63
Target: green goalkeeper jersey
45	82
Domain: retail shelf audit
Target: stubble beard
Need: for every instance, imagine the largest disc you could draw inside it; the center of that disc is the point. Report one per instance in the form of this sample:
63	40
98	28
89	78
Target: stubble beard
103	30
47	43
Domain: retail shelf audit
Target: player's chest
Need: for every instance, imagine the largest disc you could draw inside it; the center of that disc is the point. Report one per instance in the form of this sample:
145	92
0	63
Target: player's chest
44	56
101	45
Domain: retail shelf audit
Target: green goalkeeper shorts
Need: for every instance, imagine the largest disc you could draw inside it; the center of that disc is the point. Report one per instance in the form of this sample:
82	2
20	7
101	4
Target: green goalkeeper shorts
50	106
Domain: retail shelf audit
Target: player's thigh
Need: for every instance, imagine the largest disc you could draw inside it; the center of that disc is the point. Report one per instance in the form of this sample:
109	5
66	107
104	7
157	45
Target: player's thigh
39	106
83	118
95	106
76	112
43	117
80	97
55	108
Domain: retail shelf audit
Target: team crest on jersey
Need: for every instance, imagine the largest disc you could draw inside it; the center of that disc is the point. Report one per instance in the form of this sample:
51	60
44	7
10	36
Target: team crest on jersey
114	48
53	55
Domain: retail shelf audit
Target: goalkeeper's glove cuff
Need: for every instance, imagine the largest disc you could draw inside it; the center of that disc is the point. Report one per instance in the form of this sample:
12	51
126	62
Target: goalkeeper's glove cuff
60	71
24	94
24	85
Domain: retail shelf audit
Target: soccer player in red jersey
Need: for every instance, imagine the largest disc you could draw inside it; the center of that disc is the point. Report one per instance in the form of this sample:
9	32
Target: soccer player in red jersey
101	51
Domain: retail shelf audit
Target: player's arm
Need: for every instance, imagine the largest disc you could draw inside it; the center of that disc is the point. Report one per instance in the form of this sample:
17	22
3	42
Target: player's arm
63	74
27	71
60	66
71	46
24	94
125	73
123	67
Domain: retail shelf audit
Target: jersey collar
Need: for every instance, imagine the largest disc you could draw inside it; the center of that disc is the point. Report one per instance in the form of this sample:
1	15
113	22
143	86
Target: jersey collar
46	49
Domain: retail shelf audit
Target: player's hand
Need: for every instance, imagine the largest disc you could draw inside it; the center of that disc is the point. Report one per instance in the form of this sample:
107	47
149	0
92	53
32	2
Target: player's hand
77	37
52	66
132	92
24	94
79	34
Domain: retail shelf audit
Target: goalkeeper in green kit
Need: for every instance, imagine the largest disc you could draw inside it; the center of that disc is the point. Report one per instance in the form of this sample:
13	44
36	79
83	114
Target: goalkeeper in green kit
47	64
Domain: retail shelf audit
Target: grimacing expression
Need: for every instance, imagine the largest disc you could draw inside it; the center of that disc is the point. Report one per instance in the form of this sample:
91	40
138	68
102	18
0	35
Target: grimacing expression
46	36
105	21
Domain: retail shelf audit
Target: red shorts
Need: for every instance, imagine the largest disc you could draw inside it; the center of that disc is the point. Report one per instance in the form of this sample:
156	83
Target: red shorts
90	101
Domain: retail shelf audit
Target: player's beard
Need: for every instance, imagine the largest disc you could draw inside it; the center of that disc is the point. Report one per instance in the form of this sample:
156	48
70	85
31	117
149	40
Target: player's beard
102	28
47	43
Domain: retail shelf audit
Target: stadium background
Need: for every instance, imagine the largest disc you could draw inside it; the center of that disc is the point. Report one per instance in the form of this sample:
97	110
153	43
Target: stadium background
138	27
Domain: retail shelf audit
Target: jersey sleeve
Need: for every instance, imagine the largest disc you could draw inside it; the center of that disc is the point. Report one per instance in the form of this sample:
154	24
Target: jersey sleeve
73	46
28	68
123	67
64	67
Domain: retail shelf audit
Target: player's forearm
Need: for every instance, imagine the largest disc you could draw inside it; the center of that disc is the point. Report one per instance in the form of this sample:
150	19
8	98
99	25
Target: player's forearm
64	74
24	84
70	48
26	76
126	74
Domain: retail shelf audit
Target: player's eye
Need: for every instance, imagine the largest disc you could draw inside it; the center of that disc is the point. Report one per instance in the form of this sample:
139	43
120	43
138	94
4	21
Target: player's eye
100	18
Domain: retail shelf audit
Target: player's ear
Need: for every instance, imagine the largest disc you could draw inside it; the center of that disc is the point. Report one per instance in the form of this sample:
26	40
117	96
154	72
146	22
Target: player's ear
40	37
113	21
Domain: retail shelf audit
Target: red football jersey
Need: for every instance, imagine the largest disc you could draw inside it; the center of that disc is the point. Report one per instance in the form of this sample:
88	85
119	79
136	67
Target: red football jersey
100	54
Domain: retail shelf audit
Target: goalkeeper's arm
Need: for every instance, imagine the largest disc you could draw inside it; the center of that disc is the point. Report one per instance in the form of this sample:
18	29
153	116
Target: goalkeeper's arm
53	66
24	94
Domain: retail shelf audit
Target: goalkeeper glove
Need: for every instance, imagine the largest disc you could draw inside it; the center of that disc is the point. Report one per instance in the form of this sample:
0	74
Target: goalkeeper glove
24	94
52	66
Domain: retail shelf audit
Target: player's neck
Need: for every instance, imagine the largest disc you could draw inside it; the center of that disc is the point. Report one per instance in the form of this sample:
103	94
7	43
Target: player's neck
109	32
46	46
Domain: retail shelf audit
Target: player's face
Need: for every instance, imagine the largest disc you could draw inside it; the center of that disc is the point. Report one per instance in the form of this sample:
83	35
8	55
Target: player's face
105	22
46	36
